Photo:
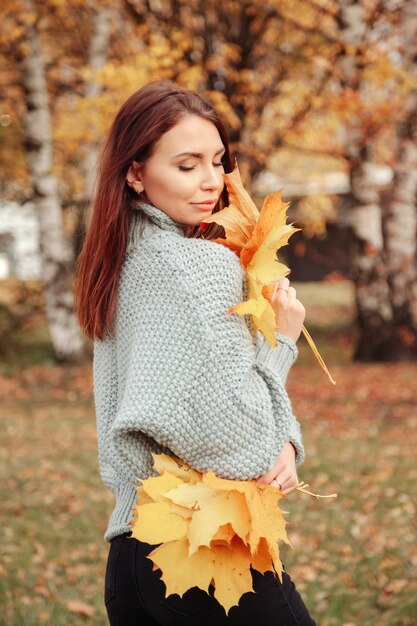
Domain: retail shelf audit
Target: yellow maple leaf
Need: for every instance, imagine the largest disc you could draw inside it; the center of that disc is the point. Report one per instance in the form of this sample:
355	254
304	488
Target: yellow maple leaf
143	497
213	509
224	535
256	237
266	519
261	560
231	576
172	473
157	523
157	486
176	467
180	571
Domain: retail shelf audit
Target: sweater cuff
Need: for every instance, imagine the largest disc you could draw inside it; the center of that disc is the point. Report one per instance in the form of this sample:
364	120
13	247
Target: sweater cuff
279	358
299	448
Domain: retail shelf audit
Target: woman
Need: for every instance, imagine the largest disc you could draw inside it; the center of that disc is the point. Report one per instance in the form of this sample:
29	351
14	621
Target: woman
172	372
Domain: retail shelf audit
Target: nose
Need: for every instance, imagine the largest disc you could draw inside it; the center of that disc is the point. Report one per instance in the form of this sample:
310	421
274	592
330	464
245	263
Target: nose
212	178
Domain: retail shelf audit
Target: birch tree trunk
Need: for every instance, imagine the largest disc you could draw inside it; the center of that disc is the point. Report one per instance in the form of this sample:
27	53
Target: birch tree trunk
368	268
400	226
400	215
97	57
55	255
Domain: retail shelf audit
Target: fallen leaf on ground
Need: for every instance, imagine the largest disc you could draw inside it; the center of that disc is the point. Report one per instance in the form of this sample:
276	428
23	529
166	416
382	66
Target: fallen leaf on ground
80	608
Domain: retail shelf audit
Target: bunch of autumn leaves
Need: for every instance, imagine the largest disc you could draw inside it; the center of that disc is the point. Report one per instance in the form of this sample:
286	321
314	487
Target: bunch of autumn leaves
256	237
211	530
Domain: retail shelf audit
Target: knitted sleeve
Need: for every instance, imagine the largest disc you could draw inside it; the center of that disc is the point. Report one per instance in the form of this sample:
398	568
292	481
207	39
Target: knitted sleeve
194	380
276	362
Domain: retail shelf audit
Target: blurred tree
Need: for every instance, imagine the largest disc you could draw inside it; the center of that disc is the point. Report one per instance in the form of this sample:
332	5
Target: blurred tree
54	250
400	209
378	66
261	64
367	265
98	51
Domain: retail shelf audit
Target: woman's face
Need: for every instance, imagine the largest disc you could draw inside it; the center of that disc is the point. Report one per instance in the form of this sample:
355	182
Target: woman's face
184	175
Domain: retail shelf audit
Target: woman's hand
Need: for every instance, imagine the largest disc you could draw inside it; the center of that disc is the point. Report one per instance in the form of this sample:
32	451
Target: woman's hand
284	473
289	311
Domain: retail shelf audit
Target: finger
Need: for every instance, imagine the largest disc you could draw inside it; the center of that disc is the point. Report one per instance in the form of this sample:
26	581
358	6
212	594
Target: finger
289	489
289	485
282	480
285	489
292	294
263	480
266	478
284	282
281	296
287	478
282	287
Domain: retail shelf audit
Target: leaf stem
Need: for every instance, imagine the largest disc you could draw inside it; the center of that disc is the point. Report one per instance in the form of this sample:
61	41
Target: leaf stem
317	354
303	488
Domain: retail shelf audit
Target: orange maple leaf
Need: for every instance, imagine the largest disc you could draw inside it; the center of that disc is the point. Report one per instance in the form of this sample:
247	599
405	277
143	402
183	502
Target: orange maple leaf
256	237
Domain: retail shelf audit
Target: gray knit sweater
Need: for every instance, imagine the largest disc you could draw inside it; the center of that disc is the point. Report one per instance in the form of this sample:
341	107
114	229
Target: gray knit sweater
178	375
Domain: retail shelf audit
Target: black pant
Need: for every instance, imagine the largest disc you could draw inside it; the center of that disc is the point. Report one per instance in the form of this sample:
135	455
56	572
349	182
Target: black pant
135	596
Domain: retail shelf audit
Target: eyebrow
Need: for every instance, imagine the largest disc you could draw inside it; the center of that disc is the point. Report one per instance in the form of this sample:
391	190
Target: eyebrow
198	155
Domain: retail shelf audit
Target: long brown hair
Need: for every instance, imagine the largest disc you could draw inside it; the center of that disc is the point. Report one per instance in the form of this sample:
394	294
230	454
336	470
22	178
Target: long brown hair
138	126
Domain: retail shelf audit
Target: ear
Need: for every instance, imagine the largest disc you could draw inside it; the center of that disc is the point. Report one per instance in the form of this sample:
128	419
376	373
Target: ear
133	177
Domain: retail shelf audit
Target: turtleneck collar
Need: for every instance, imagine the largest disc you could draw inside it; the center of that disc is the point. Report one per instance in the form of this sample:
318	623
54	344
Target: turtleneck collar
158	217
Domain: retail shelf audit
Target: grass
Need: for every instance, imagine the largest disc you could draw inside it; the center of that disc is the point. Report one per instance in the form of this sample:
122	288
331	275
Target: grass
354	559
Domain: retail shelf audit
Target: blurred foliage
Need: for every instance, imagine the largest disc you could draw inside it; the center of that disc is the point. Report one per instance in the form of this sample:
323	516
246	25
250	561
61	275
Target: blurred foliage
314	212
272	69
23	328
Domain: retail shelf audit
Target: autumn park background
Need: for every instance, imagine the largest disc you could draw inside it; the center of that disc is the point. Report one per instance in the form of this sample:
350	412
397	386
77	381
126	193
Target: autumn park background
320	99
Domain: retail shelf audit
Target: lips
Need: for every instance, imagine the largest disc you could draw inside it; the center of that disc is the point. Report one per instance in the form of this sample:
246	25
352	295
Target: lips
206	204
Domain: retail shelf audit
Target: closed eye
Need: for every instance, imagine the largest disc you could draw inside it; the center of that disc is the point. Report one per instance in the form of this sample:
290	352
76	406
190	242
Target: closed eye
188	168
